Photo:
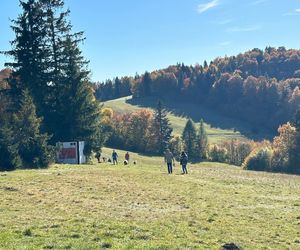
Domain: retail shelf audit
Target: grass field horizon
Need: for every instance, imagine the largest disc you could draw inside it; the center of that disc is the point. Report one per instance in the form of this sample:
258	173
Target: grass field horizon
101	206
219	128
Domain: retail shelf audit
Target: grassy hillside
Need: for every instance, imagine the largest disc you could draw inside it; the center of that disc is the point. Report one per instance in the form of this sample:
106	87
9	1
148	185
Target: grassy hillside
219	128
141	207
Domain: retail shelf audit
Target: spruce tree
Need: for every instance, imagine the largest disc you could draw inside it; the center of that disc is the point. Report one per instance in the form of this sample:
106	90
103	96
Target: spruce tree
48	62
202	141
33	146
163	128
29	50
117	88
189	138
79	110
147	82
9	156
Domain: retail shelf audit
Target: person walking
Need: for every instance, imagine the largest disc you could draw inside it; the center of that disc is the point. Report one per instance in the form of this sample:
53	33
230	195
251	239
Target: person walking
127	157
183	162
169	159
114	157
98	156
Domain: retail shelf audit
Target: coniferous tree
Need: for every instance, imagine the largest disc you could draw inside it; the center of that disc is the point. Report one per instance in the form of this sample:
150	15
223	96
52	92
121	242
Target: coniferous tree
79	111
189	138
162	127
202	141
49	63
28	51
147	81
117	89
9	156
33	146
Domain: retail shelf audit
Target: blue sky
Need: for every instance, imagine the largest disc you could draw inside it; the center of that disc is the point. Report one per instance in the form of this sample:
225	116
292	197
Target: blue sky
125	37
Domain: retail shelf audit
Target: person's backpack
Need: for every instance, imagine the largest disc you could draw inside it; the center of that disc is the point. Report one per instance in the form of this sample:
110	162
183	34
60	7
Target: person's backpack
183	159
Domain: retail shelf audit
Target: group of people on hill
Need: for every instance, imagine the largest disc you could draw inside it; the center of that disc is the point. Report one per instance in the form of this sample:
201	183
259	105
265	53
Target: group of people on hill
114	158
168	156
170	160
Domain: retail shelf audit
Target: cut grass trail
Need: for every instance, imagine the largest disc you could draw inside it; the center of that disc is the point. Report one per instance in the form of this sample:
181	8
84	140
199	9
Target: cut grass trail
141	207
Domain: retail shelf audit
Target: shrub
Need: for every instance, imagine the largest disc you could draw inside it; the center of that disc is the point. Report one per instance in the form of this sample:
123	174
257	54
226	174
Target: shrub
237	151
217	153
259	159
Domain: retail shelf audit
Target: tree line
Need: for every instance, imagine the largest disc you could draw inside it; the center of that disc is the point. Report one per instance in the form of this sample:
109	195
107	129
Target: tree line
260	87
150	132
48	96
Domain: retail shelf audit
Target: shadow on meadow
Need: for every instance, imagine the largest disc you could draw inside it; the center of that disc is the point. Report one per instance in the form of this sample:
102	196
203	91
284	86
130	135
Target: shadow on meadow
197	112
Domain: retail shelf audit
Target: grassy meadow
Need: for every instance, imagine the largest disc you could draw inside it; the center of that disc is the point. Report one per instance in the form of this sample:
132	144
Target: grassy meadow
101	206
219	128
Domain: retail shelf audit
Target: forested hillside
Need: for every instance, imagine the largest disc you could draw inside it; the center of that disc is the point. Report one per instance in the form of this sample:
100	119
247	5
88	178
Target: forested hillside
260	87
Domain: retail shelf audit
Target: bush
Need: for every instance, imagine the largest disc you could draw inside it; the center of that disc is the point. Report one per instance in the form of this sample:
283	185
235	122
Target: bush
259	160
218	154
237	151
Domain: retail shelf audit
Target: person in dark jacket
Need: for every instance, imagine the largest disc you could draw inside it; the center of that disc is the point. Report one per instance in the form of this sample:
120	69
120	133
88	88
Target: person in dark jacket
98	156
114	157
183	162
127	157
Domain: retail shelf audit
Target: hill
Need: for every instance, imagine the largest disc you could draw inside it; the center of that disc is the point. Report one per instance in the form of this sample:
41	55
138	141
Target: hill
141	207
218	127
260	87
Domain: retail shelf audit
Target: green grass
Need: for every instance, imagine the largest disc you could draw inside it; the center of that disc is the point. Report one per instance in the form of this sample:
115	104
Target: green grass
219	128
141	207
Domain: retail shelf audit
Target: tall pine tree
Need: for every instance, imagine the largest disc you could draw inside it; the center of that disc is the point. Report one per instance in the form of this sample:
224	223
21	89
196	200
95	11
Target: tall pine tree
49	63
9	156
147	82
33	146
202	141
163	129
29	51
189	138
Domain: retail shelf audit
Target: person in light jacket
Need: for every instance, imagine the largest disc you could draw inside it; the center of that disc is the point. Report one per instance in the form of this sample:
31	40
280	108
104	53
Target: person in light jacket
169	159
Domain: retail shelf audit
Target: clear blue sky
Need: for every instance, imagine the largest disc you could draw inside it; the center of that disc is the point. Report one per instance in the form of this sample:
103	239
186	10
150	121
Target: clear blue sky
125	37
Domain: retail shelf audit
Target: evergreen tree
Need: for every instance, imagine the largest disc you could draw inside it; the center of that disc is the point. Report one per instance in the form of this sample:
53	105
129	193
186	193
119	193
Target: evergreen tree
202	141
28	51
163	128
49	63
9	156
189	138
79	111
117	88
33	146
147	82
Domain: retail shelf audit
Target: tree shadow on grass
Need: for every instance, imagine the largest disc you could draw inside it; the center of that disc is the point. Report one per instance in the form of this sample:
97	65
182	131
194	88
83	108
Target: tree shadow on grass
197	112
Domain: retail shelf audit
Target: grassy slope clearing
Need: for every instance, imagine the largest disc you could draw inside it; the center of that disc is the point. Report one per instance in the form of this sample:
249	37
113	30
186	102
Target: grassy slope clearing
219	128
141	207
